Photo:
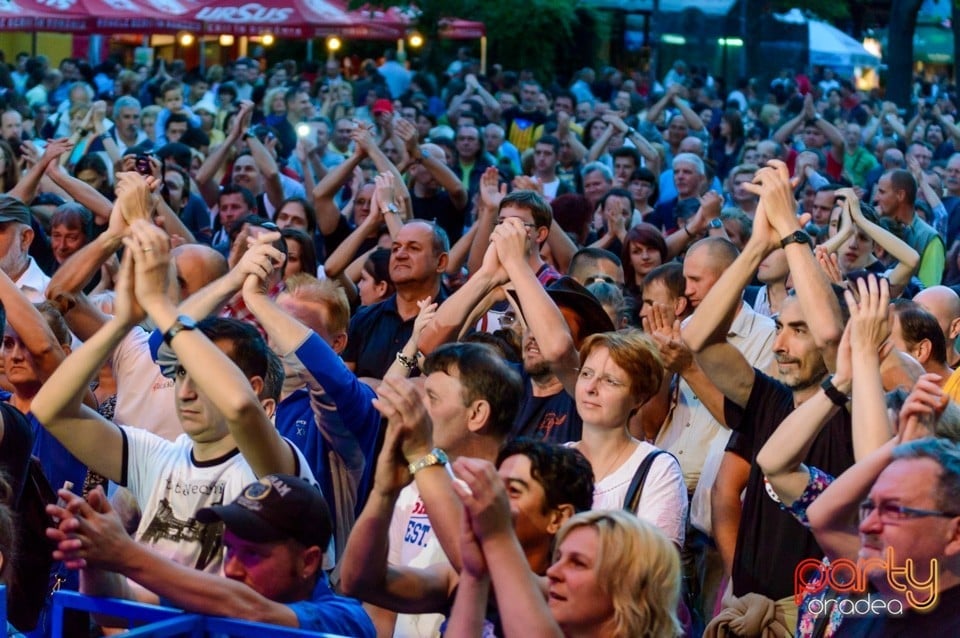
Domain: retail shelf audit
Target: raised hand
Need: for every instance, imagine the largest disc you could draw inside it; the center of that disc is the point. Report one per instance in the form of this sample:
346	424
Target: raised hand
843	376
615	121
663	326
400	402
486	501
392	473
829	263
772	184
242	120
512	242
710	204
363	138
428	309
809	108
134	198
56	148
922	408
408	133
527	183
98	112
126	309
151	255
260	260
385	189
869	315
914	167
492	267
491	191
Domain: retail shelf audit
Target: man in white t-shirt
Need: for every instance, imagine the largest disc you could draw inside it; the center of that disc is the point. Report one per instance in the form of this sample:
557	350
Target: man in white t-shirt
226	386
546	151
471	400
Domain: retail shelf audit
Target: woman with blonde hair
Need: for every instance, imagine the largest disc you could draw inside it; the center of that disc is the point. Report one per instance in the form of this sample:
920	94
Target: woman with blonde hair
613	575
635	565
274	106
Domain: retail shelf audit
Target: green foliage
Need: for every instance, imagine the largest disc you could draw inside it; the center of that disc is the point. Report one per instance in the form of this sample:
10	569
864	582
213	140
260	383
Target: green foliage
526	33
520	33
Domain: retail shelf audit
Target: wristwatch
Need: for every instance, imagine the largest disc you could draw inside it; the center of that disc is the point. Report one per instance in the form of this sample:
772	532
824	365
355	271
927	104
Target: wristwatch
183	322
715	223
390	208
435	457
797	237
410	363
836	397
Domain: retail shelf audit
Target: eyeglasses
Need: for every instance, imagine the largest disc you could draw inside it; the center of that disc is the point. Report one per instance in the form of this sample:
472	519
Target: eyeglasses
586	374
526	224
891	513
507	319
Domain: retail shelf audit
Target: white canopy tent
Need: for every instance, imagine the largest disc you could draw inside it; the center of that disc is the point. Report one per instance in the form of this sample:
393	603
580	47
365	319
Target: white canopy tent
829	46
832	47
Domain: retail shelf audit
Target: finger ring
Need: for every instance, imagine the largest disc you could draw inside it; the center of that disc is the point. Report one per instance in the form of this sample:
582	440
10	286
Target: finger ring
146	250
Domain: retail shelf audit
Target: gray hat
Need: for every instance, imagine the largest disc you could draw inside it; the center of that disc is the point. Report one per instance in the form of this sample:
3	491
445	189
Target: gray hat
13	210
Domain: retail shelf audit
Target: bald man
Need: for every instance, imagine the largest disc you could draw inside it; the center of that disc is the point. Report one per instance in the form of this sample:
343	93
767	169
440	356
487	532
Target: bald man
944	304
197	265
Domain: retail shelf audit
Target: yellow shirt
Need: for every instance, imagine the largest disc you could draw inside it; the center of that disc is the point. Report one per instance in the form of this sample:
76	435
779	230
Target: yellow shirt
952	387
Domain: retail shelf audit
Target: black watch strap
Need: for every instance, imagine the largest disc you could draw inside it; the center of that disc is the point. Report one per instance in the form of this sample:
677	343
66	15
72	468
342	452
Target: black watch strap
797	237
836	397
182	323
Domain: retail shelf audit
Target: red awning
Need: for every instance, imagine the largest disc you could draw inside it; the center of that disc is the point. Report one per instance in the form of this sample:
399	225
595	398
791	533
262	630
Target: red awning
460	29
97	16
141	16
398	20
33	15
297	19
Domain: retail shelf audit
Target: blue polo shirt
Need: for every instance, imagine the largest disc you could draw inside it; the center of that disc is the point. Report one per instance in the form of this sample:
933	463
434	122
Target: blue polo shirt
377	333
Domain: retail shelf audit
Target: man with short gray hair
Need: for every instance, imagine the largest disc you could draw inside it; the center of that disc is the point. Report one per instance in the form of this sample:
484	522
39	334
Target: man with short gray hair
689	176
16	235
126	131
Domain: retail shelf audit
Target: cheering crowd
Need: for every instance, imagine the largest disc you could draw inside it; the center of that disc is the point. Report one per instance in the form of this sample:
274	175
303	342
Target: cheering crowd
376	351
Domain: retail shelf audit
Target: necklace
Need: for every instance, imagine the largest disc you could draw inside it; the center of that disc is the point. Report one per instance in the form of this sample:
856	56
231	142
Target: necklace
613	465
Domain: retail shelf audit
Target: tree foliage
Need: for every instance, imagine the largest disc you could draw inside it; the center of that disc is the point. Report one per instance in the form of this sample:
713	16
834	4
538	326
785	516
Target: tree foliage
520	33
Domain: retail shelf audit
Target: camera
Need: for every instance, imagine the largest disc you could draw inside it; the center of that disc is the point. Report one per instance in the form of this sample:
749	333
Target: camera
143	165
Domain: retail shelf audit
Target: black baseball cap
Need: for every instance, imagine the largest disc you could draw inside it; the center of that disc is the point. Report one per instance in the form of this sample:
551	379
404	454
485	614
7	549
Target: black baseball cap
276	508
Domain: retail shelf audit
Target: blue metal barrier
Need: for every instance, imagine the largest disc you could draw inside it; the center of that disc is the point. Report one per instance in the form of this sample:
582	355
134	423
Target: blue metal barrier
166	622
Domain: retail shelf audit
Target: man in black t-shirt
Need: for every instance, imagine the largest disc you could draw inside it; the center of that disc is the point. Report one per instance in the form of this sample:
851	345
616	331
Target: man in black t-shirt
809	328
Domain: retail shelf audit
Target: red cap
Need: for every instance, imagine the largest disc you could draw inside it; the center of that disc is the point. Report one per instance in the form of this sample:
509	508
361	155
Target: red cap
382	106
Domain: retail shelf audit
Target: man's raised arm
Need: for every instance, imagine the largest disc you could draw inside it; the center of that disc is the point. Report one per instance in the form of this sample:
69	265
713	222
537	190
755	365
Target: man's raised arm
706	332
819	304
211	371
95	441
